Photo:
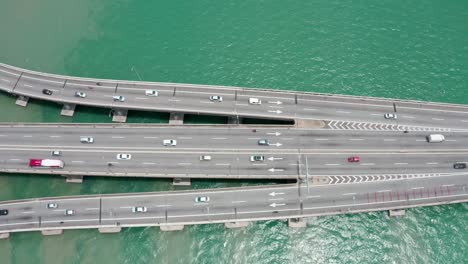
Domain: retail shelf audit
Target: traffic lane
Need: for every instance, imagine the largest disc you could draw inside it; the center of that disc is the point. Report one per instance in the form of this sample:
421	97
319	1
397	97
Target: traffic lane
94	94
8	78
394	163
20	215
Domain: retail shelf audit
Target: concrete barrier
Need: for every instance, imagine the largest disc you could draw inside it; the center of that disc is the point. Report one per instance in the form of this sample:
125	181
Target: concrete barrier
107	230
297	222
239	224
166	228
52	232
74	179
181	182
4	235
397	213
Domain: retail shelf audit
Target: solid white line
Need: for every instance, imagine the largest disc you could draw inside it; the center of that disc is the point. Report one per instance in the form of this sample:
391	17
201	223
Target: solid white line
28	212
384	191
218	138
349	193
448	185
239	201
206	102
343	112
313	196
356	139
77	161
365	164
148	163
400	163
417	188
309	109
118	137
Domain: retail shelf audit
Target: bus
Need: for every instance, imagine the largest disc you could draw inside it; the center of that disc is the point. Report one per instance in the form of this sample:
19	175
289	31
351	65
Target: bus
46	163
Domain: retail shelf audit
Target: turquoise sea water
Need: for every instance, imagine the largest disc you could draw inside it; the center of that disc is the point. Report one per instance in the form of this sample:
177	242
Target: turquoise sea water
390	48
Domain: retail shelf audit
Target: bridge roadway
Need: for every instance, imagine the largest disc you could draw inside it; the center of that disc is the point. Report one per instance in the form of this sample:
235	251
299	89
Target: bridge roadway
325	152
230	205
188	98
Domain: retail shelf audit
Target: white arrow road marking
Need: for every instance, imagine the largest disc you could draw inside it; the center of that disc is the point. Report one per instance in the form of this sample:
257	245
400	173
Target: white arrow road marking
275	204
275	111
273	169
276	134
273	158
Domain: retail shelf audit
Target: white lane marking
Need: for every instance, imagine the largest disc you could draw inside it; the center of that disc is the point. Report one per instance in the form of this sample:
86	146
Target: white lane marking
356	139
309	109
448	185
141	98
242	104
420	140
218	138
375	114
400	163
384	191
332	164
163	205
148	163
150	137
367	164
254	138
184	137
173	100
3	135
118	137
206	102
222	164
238	202
343	112
14	159
126	207
184	164
27	85
405	116
259	164
28	136
94	208
465	121
450	140
349	194
5	80
417	188
55	136
77	161
432	163
321	139
59	210
287	138
389	139
28	212
313	196
438	119
276	199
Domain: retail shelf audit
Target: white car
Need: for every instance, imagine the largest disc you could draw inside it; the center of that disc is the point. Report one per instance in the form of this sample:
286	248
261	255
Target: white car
255	158
80	94
390	116
56	153
139	209
89	140
216	98
69	212
124	156
202	199
151	93
169	142
205	157
118	98
52	205
255	101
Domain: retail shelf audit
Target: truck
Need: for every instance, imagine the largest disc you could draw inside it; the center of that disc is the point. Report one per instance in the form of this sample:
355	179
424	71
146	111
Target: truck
46	163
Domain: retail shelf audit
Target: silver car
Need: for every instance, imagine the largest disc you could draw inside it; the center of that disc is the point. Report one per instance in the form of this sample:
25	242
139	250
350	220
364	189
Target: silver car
88	140
390	116
216	98
118	98
80	94
69	212
139	209
124	156
202	199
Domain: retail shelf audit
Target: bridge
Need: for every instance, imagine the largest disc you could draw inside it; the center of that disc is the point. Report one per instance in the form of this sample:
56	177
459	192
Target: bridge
398	168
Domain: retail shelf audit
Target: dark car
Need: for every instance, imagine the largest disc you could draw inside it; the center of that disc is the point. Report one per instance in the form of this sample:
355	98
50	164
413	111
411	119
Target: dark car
3	211
459	165
47	91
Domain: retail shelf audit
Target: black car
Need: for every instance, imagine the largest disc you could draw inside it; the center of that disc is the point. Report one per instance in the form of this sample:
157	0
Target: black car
459	165
47	91
3	211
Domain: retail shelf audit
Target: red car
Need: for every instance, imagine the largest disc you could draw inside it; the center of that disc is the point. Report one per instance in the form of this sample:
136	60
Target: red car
354	159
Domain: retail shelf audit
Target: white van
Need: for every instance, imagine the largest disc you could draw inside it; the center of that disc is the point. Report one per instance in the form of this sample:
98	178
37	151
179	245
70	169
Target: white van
435	138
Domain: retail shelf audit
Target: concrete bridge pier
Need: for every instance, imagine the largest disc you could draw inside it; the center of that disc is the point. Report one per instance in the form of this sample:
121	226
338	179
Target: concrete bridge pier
234	120
119	115
68	109
52	232
181	182
396	213
22	100
176	118
4	235
109	230
297	222
166	228
239	224
74	179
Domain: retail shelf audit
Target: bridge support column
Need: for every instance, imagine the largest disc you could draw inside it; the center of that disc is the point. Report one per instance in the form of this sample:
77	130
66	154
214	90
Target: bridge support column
4	235
181	182
52	232
239	224
68	110
108	230
74	179
171	227
297	222
119	115
22	100
234	120
396	213
176	118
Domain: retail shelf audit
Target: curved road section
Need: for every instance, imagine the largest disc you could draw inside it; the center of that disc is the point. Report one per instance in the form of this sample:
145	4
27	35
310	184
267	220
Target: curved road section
344	111
225	205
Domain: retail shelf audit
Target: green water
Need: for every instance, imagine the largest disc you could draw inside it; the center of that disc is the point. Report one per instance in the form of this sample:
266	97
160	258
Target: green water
391	48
